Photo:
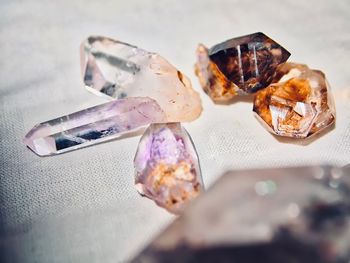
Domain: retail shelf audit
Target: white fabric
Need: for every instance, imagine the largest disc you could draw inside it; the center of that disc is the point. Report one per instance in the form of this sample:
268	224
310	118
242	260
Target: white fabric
82	206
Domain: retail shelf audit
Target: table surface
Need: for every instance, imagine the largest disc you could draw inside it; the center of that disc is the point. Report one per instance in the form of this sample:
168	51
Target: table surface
82	206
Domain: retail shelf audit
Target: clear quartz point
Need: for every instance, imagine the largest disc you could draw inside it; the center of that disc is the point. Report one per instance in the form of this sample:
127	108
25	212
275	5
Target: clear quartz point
117	70
93	125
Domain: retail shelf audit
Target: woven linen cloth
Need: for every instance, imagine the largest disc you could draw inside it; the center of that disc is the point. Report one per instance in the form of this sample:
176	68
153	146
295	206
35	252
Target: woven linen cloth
82	206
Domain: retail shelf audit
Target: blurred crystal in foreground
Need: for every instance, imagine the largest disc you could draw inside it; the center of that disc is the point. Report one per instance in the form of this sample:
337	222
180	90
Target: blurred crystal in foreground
238	66
93	125
298	105
167	166
272	216
120	70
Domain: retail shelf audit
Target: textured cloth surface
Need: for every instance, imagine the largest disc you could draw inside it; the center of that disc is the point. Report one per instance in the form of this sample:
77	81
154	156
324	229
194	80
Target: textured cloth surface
82	206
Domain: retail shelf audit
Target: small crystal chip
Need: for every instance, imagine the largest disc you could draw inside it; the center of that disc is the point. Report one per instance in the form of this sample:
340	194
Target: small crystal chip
238	66
167	166
298	104
93	125
120	70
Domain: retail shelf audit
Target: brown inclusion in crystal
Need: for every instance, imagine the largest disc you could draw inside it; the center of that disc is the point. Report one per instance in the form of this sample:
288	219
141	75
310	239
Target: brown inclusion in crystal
239	65
298	105
214	83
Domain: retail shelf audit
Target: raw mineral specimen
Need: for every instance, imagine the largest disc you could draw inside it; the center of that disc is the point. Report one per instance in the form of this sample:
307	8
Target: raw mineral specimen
238	66
272	216
167	167
120	70
298	104
93	125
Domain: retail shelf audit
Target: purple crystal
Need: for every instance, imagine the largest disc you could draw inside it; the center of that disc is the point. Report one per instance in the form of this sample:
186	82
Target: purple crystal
93	125
167	167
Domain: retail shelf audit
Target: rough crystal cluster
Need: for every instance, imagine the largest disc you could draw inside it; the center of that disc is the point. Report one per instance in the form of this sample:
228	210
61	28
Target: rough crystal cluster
238	66
93	125
120	70
298	104
167	166
272	216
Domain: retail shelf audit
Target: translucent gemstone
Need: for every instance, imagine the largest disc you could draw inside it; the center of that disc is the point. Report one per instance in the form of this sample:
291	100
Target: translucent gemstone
167	167
298	104
238	66
213	81
120	70
93	125
270	215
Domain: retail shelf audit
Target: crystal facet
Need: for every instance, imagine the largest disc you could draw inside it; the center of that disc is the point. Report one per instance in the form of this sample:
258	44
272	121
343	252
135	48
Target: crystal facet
272	216
238	66
298	105
120	70
93	125
167	167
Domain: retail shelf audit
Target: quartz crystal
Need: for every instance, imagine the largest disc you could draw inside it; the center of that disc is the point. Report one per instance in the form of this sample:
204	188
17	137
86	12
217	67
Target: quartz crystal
298	104
120	70
93	125
238	66
273	215
167	167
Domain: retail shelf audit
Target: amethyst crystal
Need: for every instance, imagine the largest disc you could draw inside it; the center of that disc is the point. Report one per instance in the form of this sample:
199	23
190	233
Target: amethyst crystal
167	167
